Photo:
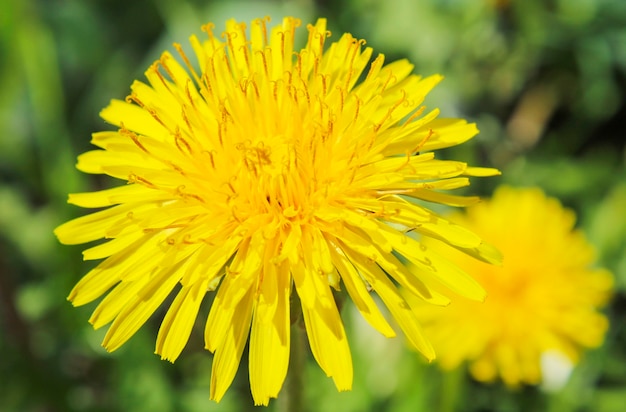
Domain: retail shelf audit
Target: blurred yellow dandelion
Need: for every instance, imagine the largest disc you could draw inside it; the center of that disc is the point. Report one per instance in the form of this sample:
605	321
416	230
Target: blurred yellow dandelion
543	300
261	170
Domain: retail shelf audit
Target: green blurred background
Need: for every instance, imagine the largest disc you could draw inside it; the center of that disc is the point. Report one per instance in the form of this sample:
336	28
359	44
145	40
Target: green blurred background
544	79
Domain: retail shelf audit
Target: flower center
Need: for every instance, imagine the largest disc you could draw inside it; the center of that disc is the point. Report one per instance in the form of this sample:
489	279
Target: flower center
263	158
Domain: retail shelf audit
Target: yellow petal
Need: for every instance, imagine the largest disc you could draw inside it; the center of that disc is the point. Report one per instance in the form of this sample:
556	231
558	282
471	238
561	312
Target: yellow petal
359	222
99	280
117	195
91	227
485	252
313	287
270	340
136	271
330	350
321	253
209	260
391	265
179	320
108	138
360	296
102	161
228	353
413	216
239	278
448	132
443	198
409	138
394	164
290	245
397	305
220	317
116	301
134	118
432	265
138	309
303	280
116	245
481	171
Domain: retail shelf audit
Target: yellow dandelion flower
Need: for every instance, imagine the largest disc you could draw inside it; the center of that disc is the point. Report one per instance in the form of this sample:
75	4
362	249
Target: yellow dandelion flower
256	169
544	299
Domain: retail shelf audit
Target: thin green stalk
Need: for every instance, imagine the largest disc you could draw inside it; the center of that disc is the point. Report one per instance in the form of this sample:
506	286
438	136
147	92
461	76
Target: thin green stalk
291	398
452	388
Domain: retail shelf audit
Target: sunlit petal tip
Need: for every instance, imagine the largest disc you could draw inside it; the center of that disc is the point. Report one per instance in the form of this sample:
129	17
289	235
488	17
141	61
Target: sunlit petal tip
482	172
491	254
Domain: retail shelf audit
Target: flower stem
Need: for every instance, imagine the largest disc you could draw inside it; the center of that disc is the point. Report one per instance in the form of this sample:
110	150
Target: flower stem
452	389
292	396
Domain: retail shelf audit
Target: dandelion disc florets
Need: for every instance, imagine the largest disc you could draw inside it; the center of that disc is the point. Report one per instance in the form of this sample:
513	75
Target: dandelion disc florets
252	170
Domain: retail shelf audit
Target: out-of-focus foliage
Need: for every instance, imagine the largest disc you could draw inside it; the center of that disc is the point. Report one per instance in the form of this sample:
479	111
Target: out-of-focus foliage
544	80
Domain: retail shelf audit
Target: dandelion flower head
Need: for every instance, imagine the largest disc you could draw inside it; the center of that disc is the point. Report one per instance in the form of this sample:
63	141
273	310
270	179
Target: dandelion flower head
256	173
544	299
